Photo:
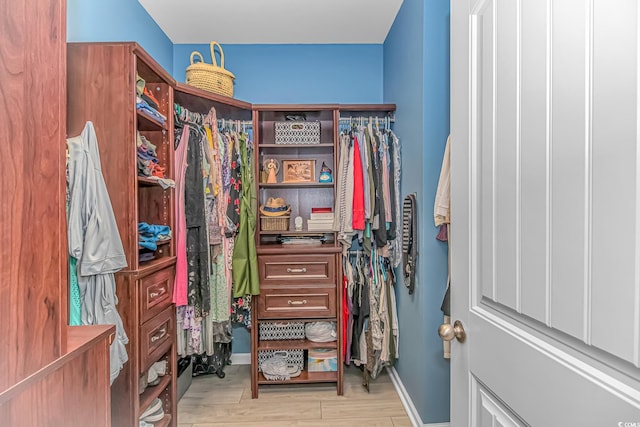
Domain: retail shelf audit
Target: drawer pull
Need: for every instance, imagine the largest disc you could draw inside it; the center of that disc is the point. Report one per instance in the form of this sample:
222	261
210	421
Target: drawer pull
303	302
159	335
158	293
296	270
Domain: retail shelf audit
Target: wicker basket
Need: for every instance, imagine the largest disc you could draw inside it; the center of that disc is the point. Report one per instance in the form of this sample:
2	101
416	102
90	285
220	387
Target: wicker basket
210	77
274	223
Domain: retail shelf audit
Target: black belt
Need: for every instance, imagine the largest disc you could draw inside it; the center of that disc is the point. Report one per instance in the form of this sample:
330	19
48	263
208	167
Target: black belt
409	241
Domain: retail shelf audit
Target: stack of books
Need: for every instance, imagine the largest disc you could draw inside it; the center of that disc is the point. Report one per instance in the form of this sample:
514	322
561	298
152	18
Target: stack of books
321	219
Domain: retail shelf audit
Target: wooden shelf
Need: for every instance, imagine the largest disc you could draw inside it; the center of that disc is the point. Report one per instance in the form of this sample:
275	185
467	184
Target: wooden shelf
146	122
143	181
297	185
151	392
294	344
278	249
163	422
296	233
305	377
325	145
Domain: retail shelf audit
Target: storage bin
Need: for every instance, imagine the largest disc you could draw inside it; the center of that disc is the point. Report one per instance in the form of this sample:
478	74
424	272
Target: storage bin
274	223
322	360
296	357
297	132
281	331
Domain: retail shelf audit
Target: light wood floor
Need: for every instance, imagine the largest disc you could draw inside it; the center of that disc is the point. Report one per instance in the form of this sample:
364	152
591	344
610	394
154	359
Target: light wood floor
215	402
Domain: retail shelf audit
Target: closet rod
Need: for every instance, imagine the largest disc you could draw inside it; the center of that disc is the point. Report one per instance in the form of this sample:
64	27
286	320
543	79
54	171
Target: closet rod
390	119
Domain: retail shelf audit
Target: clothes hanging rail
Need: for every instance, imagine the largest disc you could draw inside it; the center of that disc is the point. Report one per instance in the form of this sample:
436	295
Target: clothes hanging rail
185	116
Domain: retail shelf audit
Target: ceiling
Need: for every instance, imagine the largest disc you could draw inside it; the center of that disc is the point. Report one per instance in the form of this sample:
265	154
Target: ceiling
274	21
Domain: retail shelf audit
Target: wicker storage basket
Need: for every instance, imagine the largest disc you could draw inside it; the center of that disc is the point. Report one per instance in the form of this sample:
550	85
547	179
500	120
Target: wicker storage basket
210	77
274	223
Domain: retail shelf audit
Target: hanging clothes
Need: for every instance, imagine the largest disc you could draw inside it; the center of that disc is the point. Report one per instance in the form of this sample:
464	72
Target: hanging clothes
245	257
367	216
219	203
94	242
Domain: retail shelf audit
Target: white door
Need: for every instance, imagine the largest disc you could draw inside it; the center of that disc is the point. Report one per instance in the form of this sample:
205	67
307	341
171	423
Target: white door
545	212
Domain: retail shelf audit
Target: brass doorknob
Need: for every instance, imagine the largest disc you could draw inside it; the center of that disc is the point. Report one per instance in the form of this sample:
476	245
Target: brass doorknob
448	332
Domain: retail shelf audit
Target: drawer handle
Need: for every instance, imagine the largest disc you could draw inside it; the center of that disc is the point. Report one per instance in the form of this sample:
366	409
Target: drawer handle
296	270
159	335
161	291
303	302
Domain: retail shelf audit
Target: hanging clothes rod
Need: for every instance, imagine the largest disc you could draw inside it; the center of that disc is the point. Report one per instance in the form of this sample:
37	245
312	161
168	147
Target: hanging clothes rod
184	115
353	119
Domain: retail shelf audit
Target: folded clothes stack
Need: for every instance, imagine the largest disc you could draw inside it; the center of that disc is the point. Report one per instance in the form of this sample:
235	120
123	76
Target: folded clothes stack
148	163
146	102
149	235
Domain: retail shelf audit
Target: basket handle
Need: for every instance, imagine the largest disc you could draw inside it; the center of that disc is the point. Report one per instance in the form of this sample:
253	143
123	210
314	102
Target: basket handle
212	45
194	53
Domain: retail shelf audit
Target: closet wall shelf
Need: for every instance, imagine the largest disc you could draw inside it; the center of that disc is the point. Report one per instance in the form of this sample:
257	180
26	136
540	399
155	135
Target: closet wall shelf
278	249
152	392
296	233
322	145
146	123
295	344
163	422
305	377
159	243
201	101
143	181
297	185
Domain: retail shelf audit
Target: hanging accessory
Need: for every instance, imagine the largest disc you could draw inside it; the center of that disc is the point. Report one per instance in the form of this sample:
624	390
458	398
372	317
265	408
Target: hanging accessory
409	241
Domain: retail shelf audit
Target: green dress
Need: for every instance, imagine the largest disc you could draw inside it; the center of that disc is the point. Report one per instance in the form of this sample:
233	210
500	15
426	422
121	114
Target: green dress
245	257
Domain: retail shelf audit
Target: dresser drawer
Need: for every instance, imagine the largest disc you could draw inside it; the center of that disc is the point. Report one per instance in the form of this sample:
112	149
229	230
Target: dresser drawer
156	337
279	269
293	303
156	293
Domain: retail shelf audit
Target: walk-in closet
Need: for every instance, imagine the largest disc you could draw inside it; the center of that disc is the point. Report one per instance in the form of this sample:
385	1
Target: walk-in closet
198	239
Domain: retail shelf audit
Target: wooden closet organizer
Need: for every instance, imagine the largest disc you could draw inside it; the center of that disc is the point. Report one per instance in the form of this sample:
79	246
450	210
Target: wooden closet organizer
300	283
103	90
51	374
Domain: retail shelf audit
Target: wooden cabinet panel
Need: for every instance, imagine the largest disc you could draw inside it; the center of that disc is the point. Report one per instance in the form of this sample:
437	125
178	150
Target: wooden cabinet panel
33	288
155	337
303	269
156	292
294	303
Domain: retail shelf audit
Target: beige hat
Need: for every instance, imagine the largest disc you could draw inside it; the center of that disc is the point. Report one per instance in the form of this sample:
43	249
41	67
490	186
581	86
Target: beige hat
275	207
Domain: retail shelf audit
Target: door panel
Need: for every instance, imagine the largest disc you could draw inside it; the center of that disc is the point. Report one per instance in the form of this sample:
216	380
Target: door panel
545	227
568	157
489	412
614	173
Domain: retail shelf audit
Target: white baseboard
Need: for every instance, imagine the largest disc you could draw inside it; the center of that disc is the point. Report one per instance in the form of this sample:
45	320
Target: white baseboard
241	358
412	412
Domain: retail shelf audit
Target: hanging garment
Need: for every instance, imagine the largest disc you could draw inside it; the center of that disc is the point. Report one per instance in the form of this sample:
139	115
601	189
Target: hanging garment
180	232
245	257
197	240
95	242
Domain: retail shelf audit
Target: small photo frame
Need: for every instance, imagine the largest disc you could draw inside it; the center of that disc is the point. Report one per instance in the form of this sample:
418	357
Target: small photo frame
298	170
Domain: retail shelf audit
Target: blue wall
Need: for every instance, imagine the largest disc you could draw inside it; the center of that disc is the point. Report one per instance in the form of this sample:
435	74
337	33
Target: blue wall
279	74
416	78
118	20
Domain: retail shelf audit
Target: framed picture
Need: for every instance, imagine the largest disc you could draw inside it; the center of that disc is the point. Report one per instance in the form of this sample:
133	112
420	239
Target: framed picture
298	170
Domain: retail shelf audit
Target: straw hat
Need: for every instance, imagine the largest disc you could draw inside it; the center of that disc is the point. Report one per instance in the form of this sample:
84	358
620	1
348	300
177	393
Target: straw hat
275	207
